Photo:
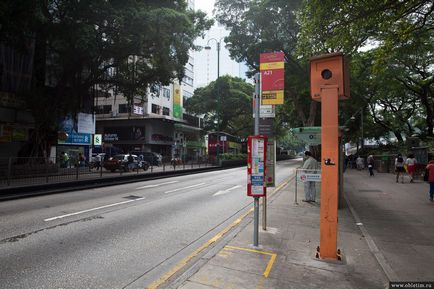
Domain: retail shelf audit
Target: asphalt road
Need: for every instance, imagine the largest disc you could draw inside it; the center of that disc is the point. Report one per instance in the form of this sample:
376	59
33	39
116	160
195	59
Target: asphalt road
122	236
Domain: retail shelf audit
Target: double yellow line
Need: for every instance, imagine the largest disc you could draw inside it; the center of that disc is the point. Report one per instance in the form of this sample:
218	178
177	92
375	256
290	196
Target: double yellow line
157	283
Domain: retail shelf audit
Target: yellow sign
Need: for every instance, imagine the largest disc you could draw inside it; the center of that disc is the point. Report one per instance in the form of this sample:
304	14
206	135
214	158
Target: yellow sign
271	65
272	97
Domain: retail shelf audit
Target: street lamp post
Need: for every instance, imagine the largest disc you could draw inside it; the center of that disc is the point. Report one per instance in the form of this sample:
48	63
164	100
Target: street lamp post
208	47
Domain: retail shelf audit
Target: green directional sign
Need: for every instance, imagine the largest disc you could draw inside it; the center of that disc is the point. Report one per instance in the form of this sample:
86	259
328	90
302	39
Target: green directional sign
310	135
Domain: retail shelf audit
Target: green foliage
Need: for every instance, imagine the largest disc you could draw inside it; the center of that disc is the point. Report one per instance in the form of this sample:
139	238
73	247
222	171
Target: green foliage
267	26
82	46
226	104
232	157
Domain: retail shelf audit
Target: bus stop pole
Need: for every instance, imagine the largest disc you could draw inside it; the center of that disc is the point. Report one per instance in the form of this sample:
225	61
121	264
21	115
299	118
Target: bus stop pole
256	199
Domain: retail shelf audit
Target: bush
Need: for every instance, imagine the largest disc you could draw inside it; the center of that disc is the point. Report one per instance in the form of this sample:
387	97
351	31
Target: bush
233	157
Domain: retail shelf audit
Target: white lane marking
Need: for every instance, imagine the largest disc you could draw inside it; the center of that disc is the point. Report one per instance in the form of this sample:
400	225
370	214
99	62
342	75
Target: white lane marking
93	209
156	185
179	189
226	191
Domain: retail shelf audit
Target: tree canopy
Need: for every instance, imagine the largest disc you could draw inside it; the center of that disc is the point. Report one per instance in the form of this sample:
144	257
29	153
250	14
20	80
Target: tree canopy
81	47
226	105
391	82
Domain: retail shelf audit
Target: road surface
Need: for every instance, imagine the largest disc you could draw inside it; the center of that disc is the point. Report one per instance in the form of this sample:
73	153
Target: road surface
121	236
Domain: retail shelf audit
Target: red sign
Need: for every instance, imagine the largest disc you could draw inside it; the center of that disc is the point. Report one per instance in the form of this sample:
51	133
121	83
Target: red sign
272	67
272	57
256	166
273	79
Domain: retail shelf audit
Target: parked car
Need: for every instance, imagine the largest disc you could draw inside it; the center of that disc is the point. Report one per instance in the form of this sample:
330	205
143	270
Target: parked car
120	162
152	158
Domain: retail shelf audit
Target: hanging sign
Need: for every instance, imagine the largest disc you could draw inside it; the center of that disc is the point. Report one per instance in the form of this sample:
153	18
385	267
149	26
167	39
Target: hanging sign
272	66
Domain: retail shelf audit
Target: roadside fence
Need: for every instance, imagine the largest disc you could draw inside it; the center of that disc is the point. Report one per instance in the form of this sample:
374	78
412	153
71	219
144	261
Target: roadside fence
16	171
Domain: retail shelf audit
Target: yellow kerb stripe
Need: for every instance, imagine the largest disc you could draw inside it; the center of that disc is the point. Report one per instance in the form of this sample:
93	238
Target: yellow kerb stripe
272	65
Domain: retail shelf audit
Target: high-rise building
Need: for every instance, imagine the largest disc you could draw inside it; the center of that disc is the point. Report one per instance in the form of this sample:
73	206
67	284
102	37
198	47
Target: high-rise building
155	122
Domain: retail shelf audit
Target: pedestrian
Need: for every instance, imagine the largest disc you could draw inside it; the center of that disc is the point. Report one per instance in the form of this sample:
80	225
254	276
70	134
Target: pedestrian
411	166
359	163
130	161
310	164
370	162
430	171
399	168
81	160
98	160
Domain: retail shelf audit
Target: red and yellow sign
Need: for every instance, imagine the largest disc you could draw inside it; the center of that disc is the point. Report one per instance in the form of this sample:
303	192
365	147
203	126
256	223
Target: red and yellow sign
272	77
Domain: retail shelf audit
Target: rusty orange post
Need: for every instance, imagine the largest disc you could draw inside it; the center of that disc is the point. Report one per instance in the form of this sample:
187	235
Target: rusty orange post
330	172
329	83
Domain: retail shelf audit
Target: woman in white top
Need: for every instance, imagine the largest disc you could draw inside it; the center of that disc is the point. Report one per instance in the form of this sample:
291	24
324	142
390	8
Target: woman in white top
411	166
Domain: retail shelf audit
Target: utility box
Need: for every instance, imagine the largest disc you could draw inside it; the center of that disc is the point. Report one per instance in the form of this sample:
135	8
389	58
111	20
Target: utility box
329	70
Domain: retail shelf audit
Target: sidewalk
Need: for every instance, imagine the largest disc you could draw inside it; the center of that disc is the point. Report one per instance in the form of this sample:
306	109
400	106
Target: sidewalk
395	218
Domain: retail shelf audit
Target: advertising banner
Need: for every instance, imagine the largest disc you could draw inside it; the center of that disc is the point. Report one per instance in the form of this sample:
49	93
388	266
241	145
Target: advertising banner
177	106
272	66
256	168
271	163
76	139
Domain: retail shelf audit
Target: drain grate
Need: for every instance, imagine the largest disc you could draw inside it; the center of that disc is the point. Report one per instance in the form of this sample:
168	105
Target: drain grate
370	191
132	197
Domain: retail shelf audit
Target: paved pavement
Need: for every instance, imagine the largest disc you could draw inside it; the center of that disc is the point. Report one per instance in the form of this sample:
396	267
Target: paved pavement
386	232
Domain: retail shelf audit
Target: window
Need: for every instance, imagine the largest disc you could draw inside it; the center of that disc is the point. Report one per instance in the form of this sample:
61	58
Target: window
155	90
101	109
166	92
156	109
188	80
123	108
166	111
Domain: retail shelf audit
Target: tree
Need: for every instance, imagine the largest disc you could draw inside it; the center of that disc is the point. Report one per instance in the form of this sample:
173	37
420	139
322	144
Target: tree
226	104
398	78
82	46
267	26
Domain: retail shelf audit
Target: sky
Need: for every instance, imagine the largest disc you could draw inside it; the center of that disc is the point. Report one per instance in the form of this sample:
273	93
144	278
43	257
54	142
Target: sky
205	61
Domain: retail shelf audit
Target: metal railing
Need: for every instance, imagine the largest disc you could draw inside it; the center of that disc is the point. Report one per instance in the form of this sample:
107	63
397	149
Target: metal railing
16	171
311	180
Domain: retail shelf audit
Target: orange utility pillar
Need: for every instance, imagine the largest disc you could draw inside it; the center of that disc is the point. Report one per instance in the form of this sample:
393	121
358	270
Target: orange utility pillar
329	83
329	171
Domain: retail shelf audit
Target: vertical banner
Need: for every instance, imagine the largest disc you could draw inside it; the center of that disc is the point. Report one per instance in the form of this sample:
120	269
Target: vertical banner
177	107
272	66
270	176
256	167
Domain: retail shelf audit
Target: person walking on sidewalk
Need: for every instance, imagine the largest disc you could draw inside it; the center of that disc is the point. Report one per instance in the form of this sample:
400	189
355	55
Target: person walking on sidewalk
359	163
399	168
370	162
411	166
430	170
310	164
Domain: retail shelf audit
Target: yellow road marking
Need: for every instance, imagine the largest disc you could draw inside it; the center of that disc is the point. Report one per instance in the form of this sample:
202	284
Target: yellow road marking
214	239
270	263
